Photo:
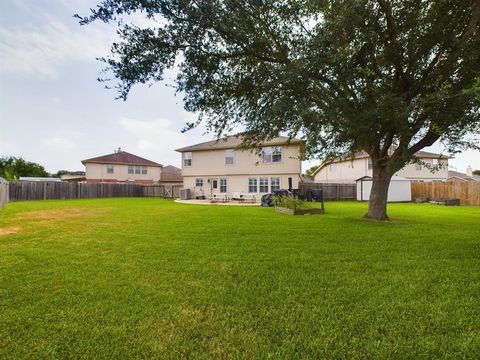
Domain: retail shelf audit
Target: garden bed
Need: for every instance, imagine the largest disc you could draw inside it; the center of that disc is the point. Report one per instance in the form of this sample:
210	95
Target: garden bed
312	211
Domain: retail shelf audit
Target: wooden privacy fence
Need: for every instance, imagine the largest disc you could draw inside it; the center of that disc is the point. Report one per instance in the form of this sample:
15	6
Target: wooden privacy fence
467	191
3	192
51	190
332	191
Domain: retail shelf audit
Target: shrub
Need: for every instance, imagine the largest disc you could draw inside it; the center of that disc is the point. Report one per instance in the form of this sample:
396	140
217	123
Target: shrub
291	202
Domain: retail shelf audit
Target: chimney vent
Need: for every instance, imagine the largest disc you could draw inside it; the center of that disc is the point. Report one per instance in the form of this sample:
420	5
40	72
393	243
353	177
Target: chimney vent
469	171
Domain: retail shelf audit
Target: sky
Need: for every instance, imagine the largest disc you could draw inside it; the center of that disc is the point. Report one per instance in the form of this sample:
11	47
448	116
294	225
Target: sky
53	111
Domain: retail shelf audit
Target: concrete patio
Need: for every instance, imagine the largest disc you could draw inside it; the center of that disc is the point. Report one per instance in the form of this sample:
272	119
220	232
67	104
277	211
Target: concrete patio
209	202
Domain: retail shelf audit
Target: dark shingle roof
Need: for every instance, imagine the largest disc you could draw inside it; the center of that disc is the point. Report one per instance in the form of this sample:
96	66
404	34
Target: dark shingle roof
121	157
234	141
171	174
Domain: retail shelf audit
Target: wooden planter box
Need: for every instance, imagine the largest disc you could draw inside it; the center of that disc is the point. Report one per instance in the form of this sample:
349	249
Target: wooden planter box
299	211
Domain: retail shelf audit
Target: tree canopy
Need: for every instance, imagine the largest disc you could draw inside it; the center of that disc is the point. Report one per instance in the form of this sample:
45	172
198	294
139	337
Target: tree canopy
372	75
11	168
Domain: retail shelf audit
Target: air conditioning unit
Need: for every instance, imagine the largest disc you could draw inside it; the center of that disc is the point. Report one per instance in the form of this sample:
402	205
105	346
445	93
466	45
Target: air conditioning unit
184	194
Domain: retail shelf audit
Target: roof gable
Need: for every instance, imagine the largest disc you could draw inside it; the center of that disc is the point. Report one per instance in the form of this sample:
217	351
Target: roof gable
121	157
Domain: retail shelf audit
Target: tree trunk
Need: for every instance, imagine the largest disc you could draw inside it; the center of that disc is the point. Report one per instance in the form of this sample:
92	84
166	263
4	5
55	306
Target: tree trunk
377	204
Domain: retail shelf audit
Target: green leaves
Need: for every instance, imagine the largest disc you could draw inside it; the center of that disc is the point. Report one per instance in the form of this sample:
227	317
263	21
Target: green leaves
342	75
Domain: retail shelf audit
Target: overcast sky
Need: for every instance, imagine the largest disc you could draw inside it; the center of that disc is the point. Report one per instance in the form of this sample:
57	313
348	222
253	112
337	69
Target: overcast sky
54	112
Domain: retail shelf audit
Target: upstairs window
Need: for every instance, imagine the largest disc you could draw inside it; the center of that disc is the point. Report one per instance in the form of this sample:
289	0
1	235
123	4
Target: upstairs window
418	166
109	169
229	157
435	162
137	169
272	154
333	167
187	159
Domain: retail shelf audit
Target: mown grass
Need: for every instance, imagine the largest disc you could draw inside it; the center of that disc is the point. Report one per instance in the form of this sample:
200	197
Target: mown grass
149	278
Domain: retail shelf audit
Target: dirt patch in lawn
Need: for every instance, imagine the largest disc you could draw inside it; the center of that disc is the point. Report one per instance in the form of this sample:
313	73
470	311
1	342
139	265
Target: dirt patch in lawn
57	214
9	230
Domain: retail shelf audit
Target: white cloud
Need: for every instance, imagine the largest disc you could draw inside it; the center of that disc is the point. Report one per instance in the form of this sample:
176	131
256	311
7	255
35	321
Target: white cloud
156	138
39	50
59	143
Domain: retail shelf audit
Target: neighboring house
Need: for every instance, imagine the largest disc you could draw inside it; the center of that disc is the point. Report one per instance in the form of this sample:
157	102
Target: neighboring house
122	166
220	167
349	169
458	176
171	175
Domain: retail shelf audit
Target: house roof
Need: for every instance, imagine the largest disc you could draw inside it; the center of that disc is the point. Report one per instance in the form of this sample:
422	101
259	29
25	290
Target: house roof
462	176
121	157
234	141
171	174
362	155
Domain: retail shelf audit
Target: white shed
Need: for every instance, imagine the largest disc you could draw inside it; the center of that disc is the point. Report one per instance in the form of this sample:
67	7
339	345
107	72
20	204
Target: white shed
399	189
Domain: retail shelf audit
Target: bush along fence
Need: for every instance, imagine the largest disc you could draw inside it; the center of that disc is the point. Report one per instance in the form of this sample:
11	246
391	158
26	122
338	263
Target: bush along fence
335	192
50	190
467	191
3	193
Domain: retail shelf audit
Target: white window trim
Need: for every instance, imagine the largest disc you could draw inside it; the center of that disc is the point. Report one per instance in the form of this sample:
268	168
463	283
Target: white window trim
255	181
279	183
220	185
260	185
232	152
271	150
187	156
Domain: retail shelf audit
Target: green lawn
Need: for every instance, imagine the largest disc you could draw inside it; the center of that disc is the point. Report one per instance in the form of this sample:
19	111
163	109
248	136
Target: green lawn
149	278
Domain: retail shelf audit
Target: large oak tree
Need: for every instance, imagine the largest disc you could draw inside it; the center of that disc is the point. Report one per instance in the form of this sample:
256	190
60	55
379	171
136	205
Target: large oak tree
372	75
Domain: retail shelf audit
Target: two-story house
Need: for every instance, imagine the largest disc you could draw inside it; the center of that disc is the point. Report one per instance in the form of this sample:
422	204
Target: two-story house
348	169
122	166
220	167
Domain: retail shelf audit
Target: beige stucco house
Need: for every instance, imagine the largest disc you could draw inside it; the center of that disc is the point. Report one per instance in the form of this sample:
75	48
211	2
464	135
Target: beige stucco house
220	167
349	169
122	166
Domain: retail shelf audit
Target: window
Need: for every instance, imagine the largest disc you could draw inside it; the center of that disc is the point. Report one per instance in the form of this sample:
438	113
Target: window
275	183
272	154
137	169
229	157
435	162
214	184
109	169
252	185
187	159
333	167
370	165
264	185
418	166
223	185
199	182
